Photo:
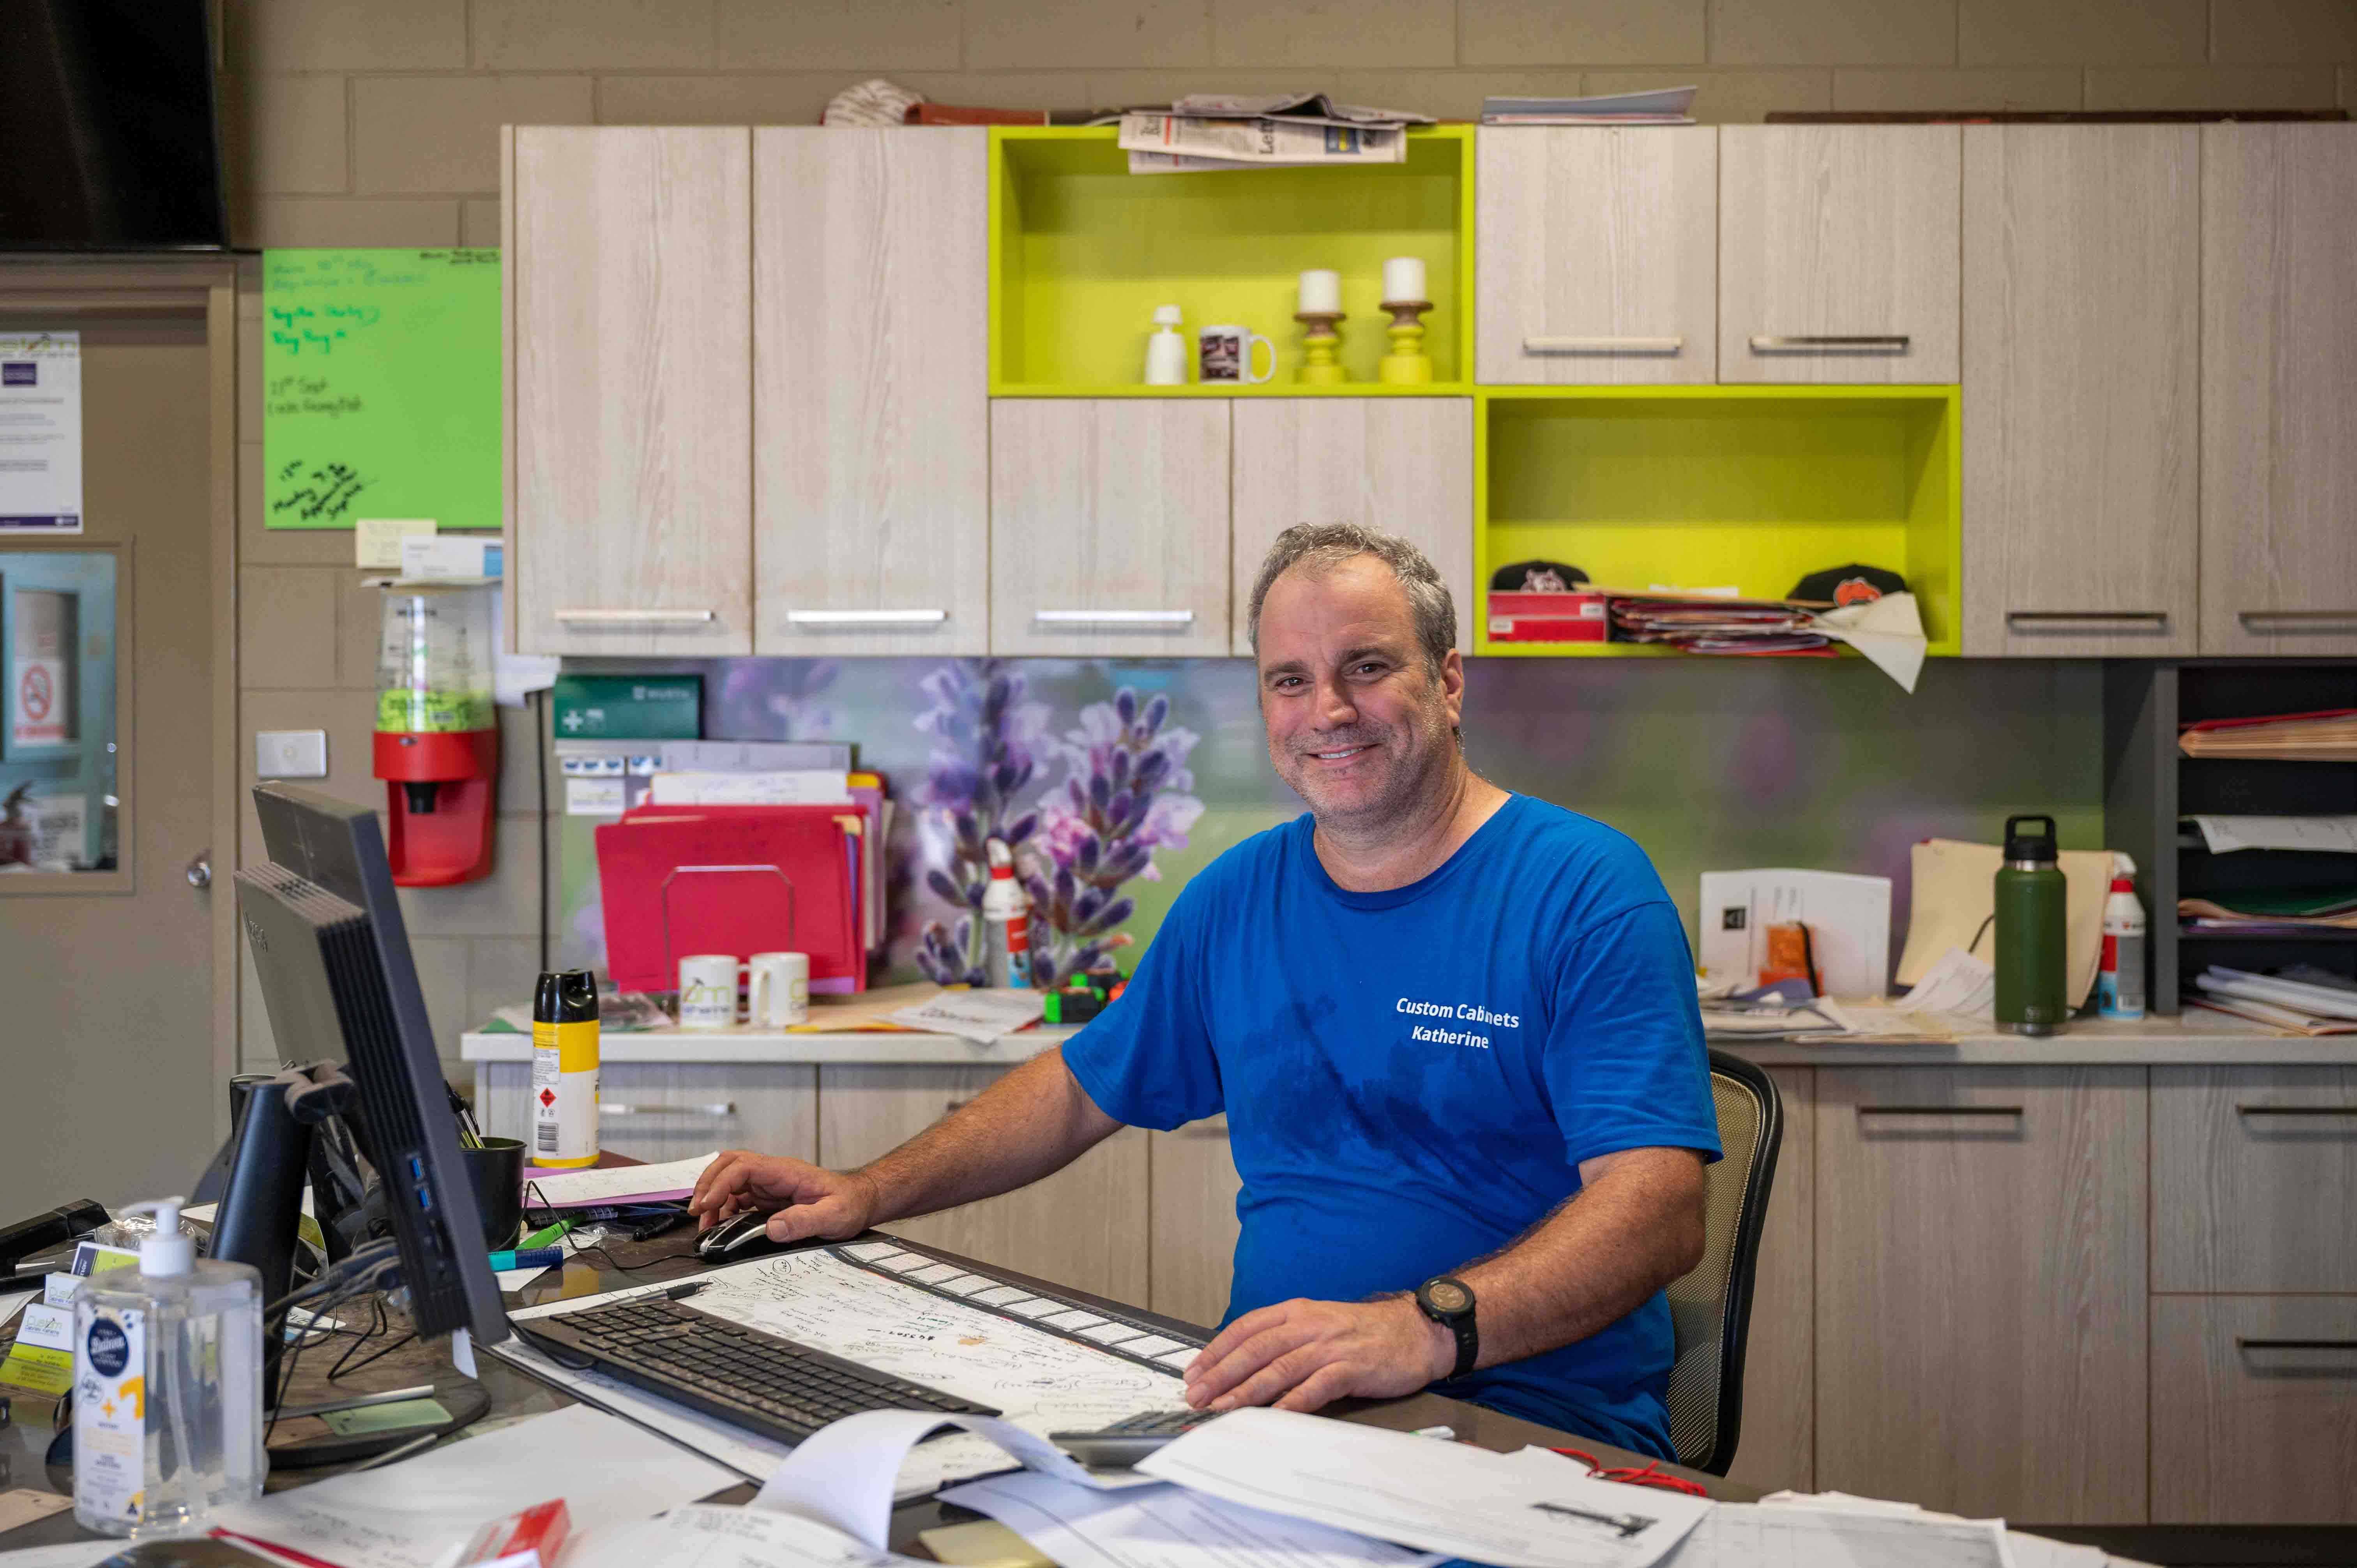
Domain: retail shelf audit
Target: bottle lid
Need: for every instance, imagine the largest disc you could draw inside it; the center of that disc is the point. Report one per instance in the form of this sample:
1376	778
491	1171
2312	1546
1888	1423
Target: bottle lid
1002	859
169	1250
1167	316
2022	844
2122	865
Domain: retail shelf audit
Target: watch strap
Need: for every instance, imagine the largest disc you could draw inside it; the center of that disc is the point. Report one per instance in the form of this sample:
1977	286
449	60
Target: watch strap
1458	1321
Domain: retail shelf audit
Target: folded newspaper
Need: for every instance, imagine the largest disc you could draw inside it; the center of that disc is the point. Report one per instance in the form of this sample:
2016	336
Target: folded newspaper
1212	131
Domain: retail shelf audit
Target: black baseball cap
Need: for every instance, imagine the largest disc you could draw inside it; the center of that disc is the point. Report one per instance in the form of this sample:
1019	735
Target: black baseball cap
1535	577
1850	584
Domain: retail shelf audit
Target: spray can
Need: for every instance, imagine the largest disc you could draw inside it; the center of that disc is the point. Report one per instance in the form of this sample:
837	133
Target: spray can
2031	946
2120	984
565	1069
1006	922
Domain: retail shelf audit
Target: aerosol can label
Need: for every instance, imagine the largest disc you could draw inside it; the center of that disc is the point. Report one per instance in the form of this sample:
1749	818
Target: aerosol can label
565	1093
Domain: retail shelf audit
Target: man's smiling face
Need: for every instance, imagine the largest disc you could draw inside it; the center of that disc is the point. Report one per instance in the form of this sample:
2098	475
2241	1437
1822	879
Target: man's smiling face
1357	723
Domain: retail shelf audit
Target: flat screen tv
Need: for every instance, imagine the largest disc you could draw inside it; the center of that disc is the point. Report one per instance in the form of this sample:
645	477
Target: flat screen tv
108	138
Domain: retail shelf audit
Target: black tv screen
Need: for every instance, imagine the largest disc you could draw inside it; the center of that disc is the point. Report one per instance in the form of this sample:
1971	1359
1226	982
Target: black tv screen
107	133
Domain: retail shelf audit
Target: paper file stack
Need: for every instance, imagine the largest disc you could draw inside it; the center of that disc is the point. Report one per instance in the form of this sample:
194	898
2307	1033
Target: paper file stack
1212	131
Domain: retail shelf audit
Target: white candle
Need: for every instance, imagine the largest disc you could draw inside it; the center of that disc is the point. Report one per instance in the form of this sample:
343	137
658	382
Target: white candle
1321	292
1404	278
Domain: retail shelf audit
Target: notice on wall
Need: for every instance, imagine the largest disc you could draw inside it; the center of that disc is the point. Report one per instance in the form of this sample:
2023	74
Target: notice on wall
41	433
380	387
40	698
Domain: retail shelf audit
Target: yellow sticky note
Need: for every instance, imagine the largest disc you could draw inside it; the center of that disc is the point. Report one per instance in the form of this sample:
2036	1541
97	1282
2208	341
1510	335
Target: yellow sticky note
376	541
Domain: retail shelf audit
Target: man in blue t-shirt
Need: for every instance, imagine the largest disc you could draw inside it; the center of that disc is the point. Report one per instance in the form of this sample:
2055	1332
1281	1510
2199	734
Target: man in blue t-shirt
1453	1030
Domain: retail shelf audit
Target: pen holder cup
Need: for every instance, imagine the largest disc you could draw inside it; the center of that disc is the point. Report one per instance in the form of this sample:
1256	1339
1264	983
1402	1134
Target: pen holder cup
496	1170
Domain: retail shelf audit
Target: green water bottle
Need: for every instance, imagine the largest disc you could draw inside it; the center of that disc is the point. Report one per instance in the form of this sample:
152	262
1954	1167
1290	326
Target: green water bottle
2031	947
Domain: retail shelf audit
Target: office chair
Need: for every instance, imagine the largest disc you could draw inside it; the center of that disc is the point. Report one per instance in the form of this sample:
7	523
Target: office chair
1710	1305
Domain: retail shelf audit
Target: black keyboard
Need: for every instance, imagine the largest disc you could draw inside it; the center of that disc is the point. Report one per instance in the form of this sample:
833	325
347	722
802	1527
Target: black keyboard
763	1383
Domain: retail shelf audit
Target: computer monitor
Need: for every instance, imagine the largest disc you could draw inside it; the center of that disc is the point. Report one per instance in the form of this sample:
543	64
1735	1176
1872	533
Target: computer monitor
328	940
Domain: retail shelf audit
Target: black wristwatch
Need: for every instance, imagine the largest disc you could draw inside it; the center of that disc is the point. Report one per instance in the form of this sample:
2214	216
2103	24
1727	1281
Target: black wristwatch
1448	1302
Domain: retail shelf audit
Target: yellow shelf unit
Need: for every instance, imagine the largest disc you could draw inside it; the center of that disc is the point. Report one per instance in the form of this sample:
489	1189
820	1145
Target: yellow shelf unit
1708	486
1082	252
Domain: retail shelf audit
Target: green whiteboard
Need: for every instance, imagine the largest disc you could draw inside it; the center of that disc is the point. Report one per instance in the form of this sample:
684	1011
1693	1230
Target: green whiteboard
380	387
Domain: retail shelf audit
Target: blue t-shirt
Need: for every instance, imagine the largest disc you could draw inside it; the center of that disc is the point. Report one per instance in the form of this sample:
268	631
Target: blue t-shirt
1412	1077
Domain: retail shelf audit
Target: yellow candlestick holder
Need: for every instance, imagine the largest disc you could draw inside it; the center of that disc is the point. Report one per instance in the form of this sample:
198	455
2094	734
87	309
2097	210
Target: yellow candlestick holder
1320	344
1407	364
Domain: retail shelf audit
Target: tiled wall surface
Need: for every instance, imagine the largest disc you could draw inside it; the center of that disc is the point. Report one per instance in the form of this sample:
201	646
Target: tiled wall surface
373	123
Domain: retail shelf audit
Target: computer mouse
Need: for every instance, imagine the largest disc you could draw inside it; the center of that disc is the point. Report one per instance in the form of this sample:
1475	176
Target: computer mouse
737	1239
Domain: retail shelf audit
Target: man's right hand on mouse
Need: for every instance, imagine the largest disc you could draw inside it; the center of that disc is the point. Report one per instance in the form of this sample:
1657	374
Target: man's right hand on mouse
802	1200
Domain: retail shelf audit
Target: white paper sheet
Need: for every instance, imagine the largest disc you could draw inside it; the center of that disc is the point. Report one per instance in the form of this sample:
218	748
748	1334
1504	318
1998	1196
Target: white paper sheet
1530	1510
11	1302
1167	1527
411	1515
1849	919
41	433
64	1554
1742	1535
2224	835
980	1016
1887	631
710	1535
1956	983
587	1188
516	1279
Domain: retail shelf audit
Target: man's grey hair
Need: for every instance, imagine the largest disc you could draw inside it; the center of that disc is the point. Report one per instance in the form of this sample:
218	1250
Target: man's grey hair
1325	545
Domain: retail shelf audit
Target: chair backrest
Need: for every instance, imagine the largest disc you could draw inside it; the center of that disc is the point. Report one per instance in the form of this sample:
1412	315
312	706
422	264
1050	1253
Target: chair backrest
1710	1306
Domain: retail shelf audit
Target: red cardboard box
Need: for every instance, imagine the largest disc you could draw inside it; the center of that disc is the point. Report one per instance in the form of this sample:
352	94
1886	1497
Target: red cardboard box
1548	617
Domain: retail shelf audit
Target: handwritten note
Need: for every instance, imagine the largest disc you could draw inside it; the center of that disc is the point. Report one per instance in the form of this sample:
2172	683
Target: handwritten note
380	387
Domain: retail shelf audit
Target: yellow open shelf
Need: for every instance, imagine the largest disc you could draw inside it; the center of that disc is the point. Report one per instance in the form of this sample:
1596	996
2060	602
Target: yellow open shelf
1708	486
1082	252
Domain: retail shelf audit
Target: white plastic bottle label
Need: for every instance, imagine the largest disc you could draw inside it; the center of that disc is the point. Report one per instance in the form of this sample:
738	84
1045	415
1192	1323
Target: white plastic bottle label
110	1414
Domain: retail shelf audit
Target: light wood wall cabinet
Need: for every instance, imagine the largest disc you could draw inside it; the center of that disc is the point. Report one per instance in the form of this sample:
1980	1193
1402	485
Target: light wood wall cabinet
1401	464
629	292
1195	1224
1981	1295
2082	287
1084	1227
2251	1403
673	1111
2279	389
1109	526
1837	253
871	384
1595	255
2255	1179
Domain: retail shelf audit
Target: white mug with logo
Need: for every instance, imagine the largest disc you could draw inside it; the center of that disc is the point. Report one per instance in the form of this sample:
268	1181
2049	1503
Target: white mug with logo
707	991
1226	355
778	994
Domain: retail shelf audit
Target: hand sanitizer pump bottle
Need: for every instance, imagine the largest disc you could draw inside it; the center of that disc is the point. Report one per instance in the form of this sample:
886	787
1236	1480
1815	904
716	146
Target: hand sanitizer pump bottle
167	1388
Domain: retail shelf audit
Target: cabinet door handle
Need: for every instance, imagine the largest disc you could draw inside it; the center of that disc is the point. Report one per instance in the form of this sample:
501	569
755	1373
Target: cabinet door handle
2296	1110
1831	343
2087	623
2279	622
867	618
638	618
1941	1111
2242	1344
1114	617
1603	345
714	1112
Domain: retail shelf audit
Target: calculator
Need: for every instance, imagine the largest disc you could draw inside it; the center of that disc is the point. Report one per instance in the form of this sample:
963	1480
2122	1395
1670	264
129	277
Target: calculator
1125	1442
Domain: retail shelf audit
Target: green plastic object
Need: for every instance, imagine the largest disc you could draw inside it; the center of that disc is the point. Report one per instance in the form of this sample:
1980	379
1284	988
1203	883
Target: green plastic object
2031	925
628	707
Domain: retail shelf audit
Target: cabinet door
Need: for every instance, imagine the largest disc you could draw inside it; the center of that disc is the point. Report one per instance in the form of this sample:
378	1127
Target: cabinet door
1195	1224
871	470
1403	464
1981	1289
2279	389
1838	252
1109	526
2254	1179
1084	1227
2081	348
1594	254
673	1111
1777	1445
633	406
2251	1403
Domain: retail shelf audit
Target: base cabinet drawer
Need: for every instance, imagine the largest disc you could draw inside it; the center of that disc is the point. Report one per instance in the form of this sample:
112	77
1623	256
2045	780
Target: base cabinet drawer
2254	1410
1195	1223
2255	1179
1084	1227
671	1111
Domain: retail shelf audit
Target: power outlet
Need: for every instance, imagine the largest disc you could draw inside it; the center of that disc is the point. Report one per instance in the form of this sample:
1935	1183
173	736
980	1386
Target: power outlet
290	754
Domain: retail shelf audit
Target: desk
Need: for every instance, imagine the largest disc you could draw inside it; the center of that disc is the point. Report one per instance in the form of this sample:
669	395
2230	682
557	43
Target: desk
514	1393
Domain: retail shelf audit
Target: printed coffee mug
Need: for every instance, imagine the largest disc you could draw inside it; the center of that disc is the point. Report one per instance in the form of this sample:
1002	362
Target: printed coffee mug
778	994
1226	354
707	991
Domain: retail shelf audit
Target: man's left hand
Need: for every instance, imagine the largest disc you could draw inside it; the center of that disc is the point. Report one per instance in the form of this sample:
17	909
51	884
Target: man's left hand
1302	1355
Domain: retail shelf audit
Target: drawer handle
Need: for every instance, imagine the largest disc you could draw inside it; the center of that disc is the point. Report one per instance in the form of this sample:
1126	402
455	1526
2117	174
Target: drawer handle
1114	617
2242	1344
2296	1110
1824	343
2282	621
638	618
867	618
725	1108
1941	1111
1603	345
2087	623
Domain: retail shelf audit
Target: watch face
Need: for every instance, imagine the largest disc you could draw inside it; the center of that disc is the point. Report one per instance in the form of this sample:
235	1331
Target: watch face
1447	1295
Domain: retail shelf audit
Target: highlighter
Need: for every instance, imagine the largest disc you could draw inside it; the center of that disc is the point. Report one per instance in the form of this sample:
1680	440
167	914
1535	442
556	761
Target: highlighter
527	1258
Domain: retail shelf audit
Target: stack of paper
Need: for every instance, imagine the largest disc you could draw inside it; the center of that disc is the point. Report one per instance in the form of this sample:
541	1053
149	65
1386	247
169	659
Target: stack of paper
1714	625
2259	914
1213	131
2327	735
2314	836
2300	1001
1661	106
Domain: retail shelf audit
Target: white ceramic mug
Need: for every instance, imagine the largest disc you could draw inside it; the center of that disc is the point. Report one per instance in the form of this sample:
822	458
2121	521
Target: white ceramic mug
1225	355
707	991
777	992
